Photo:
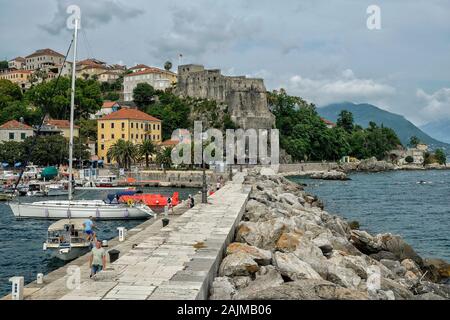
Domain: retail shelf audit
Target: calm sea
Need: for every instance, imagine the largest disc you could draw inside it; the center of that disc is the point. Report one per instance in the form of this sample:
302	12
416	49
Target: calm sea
413	204
21	241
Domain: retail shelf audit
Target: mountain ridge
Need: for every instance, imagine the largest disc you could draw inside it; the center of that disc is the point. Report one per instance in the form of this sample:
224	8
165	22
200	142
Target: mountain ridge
363	113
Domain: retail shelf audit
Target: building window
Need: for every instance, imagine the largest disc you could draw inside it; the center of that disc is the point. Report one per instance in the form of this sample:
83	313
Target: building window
103	136
23	136
123	125
132	136
154	126
142	137
158	126
153	137
102	147
132	125
142	126
103	126
11	136
112	125
112	136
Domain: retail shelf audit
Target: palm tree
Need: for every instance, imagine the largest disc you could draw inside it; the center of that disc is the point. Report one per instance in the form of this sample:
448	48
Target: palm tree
164	157
124	152
168	65
146	149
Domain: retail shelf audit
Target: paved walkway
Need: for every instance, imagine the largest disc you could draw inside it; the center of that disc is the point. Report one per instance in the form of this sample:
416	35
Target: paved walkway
175	262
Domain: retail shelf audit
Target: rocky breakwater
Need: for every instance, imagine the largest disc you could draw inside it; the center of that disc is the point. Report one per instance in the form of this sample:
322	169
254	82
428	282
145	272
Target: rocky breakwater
330	175
288	247
368	165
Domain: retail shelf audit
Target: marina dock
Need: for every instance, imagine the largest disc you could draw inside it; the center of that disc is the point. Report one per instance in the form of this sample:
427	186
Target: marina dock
178	261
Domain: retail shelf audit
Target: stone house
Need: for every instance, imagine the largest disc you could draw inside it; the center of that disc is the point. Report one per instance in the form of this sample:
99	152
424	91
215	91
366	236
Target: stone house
15	131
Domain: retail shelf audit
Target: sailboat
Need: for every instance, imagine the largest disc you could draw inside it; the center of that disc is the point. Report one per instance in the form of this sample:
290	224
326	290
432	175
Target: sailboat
70	208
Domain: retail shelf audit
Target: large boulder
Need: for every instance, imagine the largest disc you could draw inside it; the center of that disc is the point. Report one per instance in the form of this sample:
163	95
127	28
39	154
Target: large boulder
222	289
399	290
292	267
313	255
398	247
364	242
262	257
255	210
238	264
438	269
288	241
265	278
342	276
263	234
308	289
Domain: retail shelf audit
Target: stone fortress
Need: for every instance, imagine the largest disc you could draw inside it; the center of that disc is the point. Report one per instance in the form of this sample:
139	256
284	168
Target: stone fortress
246	98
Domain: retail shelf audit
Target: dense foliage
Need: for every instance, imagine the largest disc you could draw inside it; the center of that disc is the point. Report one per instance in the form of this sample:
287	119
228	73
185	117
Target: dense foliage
51	150
305	136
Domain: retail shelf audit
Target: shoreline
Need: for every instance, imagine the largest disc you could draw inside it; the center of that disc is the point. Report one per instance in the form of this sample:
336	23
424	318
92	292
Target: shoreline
287	247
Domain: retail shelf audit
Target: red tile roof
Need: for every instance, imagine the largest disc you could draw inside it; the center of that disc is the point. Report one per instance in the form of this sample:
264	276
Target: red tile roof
328	122
14	124
60	123
169	143
139	66
109	104
129	114
149	71
42	52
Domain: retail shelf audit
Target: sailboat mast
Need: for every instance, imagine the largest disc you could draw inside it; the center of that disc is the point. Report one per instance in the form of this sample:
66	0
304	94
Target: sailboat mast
72	107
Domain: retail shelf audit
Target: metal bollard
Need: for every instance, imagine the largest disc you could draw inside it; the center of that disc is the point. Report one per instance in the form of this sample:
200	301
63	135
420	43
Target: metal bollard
40	278
122	233
17	288
165	220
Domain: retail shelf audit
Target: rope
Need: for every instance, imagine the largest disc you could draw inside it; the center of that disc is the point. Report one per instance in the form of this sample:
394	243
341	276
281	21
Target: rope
33	145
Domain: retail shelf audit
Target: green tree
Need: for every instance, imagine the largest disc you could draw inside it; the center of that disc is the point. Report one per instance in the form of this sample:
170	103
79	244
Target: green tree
168	65
143	95
414	141
47	150
55	99
440	156
9	92
164	157
146	149
124	153
4	65
18	109
88	128
345	121
12	152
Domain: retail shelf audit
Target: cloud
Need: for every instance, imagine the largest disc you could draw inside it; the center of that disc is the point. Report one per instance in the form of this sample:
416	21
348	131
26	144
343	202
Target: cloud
93	14
346	87
437	104
195	32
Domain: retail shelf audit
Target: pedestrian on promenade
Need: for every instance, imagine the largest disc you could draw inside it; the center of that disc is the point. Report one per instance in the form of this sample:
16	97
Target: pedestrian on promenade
89	229
97	260
169	204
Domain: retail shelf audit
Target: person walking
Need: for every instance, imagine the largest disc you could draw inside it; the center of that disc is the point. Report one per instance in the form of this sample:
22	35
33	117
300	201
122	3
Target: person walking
97	260
89	229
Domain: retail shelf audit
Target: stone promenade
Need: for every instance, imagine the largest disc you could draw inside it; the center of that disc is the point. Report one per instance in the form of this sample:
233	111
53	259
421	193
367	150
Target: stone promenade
178	261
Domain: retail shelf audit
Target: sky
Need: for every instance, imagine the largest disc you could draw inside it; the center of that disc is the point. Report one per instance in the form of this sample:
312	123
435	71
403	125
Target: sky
320	50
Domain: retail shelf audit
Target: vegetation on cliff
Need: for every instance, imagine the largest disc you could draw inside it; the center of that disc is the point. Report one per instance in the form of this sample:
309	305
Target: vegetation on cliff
305	136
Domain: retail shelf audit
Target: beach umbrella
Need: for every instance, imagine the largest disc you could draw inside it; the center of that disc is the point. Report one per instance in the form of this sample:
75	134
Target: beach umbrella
18	164
5	164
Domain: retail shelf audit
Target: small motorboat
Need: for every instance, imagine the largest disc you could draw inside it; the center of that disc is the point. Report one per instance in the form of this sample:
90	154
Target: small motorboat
6	196
66	239
55	189
106	181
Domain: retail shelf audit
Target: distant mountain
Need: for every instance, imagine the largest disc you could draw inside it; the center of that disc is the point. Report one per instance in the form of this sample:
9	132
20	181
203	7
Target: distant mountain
364	113
438	129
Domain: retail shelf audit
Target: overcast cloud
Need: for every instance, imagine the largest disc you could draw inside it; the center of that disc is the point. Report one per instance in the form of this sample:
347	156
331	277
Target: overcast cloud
320	50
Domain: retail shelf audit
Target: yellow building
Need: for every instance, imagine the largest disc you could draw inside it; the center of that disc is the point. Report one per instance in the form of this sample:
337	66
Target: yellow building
19	77
129	125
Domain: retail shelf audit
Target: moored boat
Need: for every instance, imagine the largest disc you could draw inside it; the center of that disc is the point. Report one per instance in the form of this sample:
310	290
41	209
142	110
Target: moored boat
66	239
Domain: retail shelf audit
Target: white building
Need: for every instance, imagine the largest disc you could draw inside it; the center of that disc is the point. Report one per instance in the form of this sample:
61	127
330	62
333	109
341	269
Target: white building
15	131
159	79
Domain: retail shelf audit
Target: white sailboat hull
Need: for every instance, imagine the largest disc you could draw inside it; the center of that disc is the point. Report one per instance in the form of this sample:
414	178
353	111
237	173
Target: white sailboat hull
55	210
